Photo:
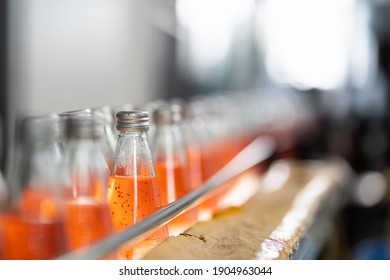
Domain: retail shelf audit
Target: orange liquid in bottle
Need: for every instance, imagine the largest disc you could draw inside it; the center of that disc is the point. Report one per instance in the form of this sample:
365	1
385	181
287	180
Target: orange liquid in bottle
232	148
26	239
174	185
86	213
33	232
86	221
130	200
194	158
211	162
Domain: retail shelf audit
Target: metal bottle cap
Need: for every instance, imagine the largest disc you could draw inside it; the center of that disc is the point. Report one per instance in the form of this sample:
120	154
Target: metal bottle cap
169	114
63	116
42	127
84	126
134	120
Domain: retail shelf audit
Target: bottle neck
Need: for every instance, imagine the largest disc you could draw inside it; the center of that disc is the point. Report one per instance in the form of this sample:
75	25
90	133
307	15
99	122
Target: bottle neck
136	133
133	155
85	169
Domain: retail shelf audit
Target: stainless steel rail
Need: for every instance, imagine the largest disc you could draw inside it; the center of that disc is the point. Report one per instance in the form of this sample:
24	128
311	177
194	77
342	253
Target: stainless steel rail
256	152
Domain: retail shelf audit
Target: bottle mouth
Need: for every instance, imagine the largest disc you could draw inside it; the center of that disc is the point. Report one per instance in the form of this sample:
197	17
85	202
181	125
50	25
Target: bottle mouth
134	120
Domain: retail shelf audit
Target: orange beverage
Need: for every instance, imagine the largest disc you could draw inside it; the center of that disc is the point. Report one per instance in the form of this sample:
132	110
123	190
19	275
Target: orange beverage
39	202
173	180
211	162
130	200
194	160
86	221
231	149
30	239
85	211
34	231
194	166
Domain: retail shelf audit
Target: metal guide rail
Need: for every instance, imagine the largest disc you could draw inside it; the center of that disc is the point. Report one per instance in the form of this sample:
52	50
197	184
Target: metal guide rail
259	150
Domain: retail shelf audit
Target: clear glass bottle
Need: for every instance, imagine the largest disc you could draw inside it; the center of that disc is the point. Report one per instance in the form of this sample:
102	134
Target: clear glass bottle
3	191
85	207
171	164
133	191
30	222
193	146
150	107
202	123
62	123
110	136
105	142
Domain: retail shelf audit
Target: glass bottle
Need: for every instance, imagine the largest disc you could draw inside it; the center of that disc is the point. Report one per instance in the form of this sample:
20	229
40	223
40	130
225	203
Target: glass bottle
108	141
62	123
105	142
202	125
150	107
30	222
192	143
3	191
171	164
133	191
86	212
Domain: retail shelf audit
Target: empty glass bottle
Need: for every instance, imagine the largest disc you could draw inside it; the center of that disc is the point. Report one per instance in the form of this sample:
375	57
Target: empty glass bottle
30	222
133	191
86	213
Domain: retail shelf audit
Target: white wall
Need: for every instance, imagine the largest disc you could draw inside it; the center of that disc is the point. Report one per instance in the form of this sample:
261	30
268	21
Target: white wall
73	54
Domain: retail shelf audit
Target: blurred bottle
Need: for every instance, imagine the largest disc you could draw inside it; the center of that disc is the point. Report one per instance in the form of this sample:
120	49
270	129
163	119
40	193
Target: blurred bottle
217	148
171	166
133	191
3	191
150	107
200	122
192	138
84	193
30	222
193	148
108	141
62	117
109	130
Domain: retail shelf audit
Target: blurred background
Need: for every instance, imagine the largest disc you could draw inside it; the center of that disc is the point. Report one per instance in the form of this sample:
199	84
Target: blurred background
67	54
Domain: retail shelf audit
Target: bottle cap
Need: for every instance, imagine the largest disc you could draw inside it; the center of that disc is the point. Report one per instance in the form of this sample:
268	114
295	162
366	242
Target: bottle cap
84	126
168	114
135	120
43	127
63	116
